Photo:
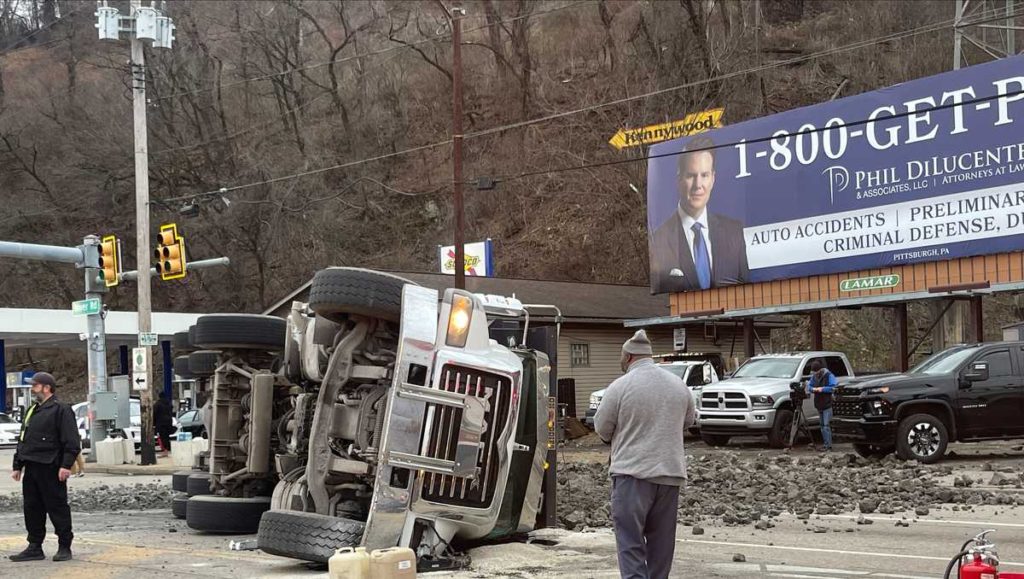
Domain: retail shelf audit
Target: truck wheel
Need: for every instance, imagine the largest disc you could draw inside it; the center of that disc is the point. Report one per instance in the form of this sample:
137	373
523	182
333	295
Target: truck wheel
307	536
182	343
181	367
179	506
198	484
212	514
778	436
240	332
203	363
179	480
337	291
921	437
715	439
873	450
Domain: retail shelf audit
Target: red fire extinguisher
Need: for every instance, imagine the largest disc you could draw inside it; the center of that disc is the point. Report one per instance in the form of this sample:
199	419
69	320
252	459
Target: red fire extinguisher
978	559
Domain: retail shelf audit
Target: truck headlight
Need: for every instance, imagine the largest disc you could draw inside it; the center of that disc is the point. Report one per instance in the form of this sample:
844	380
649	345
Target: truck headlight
762	401
879	407
878	390
458	321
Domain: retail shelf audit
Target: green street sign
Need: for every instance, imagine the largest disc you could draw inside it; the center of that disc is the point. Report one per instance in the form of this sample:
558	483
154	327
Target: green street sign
870	283
87	307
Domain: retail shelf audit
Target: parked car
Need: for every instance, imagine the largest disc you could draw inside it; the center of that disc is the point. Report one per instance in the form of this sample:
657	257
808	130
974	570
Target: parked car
9	430
134	429
695	373
191	421
755	400
964	393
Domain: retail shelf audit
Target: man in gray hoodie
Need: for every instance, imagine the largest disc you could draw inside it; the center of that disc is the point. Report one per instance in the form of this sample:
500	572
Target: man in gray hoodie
643	415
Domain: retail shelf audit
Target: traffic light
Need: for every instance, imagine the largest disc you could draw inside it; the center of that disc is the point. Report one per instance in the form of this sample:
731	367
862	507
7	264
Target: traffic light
170	253
110	260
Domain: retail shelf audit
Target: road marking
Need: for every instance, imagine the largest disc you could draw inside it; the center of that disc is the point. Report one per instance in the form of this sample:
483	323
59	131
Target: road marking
832	551
933	521
743	569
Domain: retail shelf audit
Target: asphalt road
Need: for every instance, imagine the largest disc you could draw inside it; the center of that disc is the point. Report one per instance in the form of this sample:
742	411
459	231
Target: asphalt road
135	544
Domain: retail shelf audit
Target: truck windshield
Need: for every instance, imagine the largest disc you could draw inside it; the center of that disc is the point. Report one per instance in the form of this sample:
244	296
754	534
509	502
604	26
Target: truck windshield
768	368
677	369
945	361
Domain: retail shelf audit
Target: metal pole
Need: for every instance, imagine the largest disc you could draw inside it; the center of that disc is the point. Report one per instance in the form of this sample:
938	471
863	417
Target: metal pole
142	232
201	264
460	242
3	377
96	341
977	320
748	337
958	34
41	252
901	354
817	343
168	369
122	359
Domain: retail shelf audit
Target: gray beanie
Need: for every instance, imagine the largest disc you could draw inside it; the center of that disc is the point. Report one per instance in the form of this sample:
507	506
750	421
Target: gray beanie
638	345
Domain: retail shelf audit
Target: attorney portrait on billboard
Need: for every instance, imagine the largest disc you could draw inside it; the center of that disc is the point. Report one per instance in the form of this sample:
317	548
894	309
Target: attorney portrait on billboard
697	248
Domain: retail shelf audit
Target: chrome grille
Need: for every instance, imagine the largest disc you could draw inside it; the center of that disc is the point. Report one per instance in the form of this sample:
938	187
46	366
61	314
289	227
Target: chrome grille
724	401
442	431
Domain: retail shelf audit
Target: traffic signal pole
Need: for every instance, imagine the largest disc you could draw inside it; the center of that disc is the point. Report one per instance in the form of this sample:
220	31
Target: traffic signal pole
142	248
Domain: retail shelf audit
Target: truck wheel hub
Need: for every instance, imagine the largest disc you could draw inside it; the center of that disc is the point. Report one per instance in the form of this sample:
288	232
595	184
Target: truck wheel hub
924	439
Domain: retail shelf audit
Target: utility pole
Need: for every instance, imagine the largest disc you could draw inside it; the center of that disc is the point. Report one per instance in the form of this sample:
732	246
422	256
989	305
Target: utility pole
143	23
142	249
460	243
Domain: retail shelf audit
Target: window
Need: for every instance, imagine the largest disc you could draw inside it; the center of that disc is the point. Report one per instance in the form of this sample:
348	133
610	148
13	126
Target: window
998	363
696	376
836	366
579	355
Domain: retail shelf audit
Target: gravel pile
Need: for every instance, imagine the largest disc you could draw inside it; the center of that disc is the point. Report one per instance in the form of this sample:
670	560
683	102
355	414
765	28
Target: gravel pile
735	490
125	497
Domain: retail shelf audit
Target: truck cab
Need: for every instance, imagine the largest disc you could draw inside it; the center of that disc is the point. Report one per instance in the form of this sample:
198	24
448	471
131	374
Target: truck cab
695	374
968	392
415	427
755	400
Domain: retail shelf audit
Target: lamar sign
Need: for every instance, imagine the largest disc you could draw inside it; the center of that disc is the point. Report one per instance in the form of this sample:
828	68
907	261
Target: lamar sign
869	283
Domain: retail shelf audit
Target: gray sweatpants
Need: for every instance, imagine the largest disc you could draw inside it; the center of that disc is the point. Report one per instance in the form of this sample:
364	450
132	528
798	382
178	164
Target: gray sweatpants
644	516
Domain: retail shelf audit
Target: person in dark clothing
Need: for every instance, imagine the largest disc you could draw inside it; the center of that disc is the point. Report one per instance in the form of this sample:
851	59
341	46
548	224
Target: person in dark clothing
821	385
47	448
163	422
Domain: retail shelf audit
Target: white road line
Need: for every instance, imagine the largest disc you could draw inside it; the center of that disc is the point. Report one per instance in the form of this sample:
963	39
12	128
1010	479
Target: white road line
797	571
830	551
978	524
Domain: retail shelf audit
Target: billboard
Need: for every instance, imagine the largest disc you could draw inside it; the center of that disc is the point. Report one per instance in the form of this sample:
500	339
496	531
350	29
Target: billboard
478	259
925	170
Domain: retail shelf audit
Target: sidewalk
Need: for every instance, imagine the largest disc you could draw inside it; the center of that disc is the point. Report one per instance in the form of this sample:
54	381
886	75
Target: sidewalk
163	466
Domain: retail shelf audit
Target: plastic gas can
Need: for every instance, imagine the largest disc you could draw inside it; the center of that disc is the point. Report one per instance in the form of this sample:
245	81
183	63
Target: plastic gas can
393	563
349	563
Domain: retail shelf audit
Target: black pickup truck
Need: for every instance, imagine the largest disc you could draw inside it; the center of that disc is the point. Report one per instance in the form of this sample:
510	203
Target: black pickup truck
965	393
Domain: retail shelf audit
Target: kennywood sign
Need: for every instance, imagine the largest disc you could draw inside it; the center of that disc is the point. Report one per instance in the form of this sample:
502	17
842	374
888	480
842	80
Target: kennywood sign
926	170
691	124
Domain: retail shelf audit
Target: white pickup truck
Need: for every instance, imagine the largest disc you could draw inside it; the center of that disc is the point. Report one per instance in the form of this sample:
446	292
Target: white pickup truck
754	401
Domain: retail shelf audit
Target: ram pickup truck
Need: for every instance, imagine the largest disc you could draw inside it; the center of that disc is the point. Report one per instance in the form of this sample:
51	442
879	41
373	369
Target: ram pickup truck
964	393
755	400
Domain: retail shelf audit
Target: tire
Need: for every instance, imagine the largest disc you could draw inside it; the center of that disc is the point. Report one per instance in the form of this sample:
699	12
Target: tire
338	291
307	536
179	480
203	363
230	515
715	439
873	450
198	484
181	367
182	343
778	436
922	437
240	332
179	506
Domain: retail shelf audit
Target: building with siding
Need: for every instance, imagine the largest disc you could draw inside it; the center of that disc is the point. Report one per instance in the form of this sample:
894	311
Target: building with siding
592	324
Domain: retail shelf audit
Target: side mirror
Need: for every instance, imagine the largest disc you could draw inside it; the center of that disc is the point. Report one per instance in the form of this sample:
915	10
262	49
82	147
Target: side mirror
707	373
976	372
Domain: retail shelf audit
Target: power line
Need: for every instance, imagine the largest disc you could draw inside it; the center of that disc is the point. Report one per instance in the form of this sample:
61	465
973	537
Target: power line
365	55
727	76
852	46
517	176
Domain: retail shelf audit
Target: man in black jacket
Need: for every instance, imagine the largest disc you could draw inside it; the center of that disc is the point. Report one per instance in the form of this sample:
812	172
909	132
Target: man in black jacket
47	448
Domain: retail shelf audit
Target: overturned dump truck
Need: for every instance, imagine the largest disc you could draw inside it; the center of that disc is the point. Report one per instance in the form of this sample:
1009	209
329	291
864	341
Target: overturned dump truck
414	426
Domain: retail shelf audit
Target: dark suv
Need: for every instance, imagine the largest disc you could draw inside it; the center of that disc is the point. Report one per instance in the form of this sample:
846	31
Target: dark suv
965	393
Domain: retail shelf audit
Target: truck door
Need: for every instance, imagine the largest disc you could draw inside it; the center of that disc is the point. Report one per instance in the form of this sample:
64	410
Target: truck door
990	407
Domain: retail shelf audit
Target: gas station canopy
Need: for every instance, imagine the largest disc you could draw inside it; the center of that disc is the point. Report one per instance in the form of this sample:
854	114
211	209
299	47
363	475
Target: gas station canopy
43	328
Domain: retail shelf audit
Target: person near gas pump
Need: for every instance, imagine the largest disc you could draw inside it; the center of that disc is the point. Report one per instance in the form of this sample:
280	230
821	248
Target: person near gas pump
48	446
821	385
163	422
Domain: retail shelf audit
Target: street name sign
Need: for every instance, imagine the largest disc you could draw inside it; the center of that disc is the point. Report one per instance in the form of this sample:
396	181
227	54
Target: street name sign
87	307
